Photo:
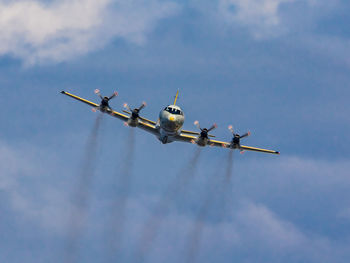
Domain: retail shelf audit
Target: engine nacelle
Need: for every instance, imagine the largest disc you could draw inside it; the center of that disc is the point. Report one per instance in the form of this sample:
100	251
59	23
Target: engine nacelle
202	141
132	122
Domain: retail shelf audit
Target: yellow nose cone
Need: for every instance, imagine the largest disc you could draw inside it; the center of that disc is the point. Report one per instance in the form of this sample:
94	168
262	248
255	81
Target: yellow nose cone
171	118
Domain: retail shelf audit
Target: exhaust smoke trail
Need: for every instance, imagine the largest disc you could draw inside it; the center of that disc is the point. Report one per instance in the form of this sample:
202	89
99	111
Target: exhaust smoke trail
229	169
197	231
149	231
82	194
227	184
123	189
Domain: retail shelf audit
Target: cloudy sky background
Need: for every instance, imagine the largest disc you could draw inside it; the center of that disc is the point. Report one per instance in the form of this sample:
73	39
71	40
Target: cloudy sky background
279	68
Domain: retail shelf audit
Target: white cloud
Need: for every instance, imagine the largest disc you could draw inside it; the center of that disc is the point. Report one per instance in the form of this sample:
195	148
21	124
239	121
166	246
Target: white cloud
254	233
261	16
262	229
265	225
59	30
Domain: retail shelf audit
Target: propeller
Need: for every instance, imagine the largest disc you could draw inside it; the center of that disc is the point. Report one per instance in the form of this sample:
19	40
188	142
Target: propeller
105	100
236	137
134	112
204	131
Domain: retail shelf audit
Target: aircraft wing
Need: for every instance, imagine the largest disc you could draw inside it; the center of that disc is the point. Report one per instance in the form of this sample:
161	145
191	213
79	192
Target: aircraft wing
185	138
94	105
248	148
149	127
80	99
142	118
191	139
194	133
143	123
243	147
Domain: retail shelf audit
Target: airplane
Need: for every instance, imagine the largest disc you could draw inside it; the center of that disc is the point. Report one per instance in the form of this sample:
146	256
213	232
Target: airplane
168	127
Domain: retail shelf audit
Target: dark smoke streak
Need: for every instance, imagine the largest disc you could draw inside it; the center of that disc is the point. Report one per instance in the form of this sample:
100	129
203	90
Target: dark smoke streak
227	184
150	228
197	231
229	169
82	194
123	191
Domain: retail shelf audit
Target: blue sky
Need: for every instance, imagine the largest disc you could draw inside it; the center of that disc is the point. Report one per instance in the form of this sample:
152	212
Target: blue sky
279	68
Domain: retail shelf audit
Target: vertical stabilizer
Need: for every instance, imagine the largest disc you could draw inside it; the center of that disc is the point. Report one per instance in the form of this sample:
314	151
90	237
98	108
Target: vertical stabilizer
177	94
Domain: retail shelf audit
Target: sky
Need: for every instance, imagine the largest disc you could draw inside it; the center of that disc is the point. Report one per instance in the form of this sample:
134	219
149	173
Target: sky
76	186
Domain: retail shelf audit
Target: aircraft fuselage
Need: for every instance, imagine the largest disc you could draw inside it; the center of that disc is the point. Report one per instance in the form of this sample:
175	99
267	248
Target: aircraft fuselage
170	122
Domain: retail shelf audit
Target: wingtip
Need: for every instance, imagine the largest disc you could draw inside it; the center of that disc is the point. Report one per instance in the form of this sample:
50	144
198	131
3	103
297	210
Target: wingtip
277	152
63	92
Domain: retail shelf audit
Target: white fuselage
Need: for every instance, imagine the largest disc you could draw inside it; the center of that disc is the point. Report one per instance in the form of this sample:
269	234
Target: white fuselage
170	123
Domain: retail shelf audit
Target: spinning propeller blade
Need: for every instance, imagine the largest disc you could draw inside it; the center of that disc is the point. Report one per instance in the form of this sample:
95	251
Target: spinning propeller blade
97	92
197	124
245	135
236	137
104	100
142	106
134	112
204	131
113	95
214	126
126	106
231	128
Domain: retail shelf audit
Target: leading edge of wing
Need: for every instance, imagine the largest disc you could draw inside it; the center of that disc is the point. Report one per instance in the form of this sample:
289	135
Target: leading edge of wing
141	124
141	118
249	148
185	138
148	127
94	105
195	133
80	99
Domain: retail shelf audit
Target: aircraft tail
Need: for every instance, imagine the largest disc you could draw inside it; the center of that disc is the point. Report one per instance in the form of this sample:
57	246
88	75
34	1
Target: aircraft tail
177	94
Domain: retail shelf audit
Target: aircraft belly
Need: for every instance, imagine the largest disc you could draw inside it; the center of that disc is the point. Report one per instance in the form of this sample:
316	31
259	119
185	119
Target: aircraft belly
167	133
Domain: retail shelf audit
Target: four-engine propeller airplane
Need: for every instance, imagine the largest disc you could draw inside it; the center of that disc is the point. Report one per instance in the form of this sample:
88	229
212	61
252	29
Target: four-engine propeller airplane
168	128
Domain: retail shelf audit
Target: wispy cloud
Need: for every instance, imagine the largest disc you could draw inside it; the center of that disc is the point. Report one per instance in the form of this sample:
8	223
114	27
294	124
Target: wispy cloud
335	47
262	17
36	31
20	167
250	226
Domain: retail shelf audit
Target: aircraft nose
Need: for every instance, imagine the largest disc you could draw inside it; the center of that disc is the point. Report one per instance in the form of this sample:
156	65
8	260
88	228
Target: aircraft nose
171	118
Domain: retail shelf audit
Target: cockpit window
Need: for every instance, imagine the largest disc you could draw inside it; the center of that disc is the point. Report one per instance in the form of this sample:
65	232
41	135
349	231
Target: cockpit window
173	111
